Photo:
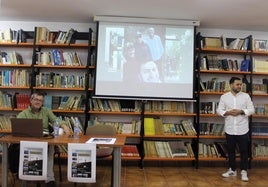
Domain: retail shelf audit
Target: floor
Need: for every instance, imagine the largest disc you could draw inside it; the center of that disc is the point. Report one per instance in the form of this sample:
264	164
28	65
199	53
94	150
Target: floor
165	175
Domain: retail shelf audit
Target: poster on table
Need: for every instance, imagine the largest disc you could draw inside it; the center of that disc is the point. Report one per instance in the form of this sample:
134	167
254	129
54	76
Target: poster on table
33	160
81	162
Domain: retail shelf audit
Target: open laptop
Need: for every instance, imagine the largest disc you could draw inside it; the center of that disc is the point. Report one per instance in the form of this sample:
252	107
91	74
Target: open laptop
23	127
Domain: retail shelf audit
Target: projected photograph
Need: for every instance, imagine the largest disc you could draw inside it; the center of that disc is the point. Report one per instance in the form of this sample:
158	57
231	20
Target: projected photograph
144	54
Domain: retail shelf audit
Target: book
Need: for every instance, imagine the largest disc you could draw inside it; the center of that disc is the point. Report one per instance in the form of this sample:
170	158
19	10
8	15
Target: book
178	148
234	44
260	45
211	42
149	128
245	65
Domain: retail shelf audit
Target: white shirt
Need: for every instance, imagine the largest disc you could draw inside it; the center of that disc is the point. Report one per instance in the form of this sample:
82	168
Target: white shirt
236	125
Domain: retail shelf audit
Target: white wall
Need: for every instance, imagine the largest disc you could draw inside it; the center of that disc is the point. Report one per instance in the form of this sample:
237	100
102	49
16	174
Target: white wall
53	26
83	27
210	32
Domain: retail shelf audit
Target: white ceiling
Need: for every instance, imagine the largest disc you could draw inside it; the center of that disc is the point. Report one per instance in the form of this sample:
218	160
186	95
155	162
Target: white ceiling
228	14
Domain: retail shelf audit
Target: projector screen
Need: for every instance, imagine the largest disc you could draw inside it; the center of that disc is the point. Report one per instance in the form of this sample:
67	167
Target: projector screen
144	61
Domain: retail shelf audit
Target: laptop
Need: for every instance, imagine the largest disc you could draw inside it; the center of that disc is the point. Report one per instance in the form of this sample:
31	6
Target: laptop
24	127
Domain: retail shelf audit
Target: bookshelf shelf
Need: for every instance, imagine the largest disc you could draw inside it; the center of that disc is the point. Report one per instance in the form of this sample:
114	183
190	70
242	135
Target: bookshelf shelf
168	136
15	65
54	45
114	113
210	93
209	115
169	159
21	45
59	67
59	89
224	72
261	137
211	137
212	159
5	109
260	158
69	111
169	114
225	51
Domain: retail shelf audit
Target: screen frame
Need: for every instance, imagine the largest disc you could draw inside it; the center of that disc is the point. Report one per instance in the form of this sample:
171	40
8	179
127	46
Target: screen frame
149	97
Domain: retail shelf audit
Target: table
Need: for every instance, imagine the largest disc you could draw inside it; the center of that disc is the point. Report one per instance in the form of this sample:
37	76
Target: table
64	140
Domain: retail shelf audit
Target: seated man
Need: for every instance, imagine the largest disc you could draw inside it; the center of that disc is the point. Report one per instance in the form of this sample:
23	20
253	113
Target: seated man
37	111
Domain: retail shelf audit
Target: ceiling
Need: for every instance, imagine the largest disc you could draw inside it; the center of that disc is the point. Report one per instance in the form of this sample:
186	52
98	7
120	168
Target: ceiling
228	14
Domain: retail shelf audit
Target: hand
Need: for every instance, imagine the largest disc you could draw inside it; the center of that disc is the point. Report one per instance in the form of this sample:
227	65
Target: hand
234	112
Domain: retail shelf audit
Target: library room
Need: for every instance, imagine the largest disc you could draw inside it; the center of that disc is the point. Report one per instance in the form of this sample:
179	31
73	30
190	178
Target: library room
133	93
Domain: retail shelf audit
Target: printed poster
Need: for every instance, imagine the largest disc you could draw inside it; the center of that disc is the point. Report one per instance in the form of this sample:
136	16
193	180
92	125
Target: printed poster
33	160
82	162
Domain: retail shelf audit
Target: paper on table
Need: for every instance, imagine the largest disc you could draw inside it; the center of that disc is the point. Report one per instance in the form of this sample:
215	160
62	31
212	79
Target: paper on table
100	140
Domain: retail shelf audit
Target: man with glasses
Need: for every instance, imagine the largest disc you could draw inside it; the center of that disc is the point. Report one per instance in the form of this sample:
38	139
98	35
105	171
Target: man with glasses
37	111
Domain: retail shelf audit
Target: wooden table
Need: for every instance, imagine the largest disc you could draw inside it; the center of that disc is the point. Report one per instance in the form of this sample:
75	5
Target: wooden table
64	140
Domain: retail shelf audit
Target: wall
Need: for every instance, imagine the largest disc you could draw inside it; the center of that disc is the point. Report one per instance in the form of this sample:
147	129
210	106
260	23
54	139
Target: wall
53	26
232	33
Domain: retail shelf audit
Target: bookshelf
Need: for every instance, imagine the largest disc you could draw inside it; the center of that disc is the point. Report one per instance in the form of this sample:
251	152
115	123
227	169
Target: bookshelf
214	66
15	67
60	66
259	95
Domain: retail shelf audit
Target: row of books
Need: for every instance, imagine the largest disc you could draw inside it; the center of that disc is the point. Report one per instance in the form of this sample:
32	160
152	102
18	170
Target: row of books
216	85
5	122
166	106
113	105
12	36
15	77
70	121
260	65
214	129
259	128
6	100
259	88
208	107
10	57
168	149
261	109
259	150
60	80
21	101
216	149
132	127
155	126
58	57
73	102
130	151
213	62
43	35
226	43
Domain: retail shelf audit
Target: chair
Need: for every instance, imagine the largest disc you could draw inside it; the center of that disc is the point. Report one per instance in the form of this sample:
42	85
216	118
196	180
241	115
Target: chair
102	130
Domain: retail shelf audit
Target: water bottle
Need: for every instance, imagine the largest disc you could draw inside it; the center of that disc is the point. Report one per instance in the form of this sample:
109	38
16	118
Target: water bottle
76	128
56	127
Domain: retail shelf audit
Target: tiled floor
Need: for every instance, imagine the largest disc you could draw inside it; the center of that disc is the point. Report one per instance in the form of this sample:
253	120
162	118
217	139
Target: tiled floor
167	176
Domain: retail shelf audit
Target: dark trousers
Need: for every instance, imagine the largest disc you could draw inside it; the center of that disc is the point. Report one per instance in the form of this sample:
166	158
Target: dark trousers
242	141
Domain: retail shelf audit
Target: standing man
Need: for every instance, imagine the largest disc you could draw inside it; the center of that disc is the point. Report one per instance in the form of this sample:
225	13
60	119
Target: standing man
155	44
236	106
37	111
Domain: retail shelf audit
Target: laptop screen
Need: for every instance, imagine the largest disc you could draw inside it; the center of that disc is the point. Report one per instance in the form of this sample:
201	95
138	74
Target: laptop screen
26	127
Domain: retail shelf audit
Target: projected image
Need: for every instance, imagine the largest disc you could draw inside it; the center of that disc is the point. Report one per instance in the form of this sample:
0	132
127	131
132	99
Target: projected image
132	54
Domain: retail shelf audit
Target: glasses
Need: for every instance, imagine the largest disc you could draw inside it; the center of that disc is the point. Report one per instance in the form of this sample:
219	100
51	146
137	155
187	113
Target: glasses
38	100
